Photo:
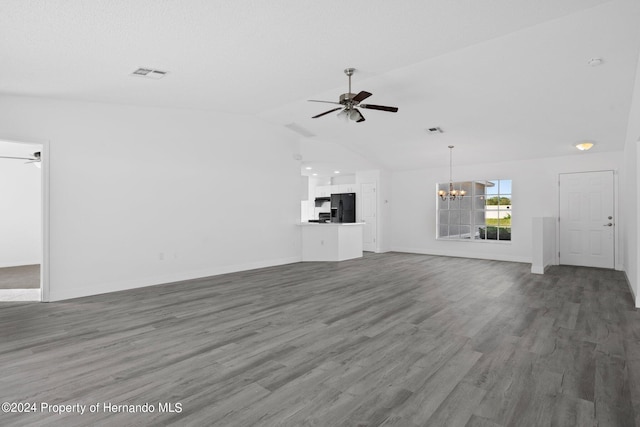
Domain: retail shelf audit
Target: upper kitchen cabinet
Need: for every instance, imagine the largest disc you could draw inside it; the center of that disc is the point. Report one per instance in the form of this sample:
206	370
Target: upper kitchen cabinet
350	188
344	188
324	190
328	190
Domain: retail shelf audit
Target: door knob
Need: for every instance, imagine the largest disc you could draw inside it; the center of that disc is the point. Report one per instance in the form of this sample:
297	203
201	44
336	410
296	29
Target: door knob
609	224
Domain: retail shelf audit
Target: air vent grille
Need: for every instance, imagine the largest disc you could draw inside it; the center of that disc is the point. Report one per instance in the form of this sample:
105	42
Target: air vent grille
149	73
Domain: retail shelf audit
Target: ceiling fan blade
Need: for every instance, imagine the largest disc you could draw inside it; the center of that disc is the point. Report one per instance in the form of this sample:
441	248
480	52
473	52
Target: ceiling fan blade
361	96
326	112
379	107
326	102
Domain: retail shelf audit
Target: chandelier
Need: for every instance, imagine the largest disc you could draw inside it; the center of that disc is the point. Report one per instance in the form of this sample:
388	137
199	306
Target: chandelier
452	194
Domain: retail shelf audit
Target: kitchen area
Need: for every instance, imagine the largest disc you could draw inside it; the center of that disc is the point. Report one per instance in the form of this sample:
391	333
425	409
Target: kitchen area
349	232
330	231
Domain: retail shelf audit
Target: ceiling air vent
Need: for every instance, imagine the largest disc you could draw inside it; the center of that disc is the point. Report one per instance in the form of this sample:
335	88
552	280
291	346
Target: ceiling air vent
149	73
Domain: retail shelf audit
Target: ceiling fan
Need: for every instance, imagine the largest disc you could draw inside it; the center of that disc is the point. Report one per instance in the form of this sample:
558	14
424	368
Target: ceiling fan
349	101
34	159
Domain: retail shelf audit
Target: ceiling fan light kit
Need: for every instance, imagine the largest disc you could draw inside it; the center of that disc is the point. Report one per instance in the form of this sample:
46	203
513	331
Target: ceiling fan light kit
349	101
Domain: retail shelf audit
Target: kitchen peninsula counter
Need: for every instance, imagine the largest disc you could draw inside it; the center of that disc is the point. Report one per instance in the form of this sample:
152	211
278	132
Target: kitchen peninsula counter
331	241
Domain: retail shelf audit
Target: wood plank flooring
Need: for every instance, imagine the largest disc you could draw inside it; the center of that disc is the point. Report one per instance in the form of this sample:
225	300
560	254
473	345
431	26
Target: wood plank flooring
20	277
387	340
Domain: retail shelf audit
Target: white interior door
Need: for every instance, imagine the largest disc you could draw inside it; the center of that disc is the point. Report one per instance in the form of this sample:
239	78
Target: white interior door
587	222
368	216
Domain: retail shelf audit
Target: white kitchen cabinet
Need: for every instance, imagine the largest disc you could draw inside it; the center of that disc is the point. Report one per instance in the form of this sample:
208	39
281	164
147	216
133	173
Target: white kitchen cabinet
328	190
338	189
343	188
331	242
350	188
323	191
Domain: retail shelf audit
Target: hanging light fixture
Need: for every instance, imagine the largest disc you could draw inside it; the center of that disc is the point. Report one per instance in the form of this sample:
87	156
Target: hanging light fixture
452	194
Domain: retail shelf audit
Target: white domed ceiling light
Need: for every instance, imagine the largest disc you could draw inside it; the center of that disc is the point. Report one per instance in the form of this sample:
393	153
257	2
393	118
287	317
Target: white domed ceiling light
594	62
584	146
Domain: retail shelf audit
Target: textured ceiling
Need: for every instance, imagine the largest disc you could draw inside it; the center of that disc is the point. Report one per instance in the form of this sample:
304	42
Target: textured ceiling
504	78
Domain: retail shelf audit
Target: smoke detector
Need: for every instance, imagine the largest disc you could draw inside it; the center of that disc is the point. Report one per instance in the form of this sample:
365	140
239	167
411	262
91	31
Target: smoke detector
149	73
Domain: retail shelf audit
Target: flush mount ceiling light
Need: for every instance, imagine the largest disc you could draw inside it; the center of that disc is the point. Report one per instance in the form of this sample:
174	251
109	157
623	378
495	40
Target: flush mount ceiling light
594	62
584	146
149	73
452	194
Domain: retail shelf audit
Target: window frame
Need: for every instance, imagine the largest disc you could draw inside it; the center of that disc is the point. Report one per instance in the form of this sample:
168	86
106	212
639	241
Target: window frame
473	230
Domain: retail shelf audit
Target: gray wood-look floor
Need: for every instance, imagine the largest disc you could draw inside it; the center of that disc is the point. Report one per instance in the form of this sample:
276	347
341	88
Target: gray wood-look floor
20	277
388	340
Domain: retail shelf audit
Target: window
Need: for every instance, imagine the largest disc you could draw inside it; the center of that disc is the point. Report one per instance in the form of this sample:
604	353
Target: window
483	214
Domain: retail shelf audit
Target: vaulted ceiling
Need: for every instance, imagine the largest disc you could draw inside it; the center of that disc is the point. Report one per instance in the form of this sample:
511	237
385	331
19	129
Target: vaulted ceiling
504	79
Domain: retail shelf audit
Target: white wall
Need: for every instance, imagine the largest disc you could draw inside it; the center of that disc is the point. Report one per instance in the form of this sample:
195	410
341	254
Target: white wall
630	187
382	179
20	212
544	250
343	179
629	215
140	196
535	194
384	210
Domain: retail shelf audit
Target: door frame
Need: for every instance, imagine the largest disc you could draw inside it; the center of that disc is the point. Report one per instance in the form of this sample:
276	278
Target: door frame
45	211
616	215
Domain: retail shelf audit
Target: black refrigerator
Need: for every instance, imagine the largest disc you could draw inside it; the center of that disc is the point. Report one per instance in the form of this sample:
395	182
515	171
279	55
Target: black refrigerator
343	207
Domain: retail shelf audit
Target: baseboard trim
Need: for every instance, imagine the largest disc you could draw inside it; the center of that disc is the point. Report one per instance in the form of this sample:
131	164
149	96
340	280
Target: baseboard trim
457	254
104	288
537	269
540	269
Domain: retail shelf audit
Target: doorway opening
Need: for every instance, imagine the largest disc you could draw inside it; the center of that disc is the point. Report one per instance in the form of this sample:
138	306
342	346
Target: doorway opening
21	221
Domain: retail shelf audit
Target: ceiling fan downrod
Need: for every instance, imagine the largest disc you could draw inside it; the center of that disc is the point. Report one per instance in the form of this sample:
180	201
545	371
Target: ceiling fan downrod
349	73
